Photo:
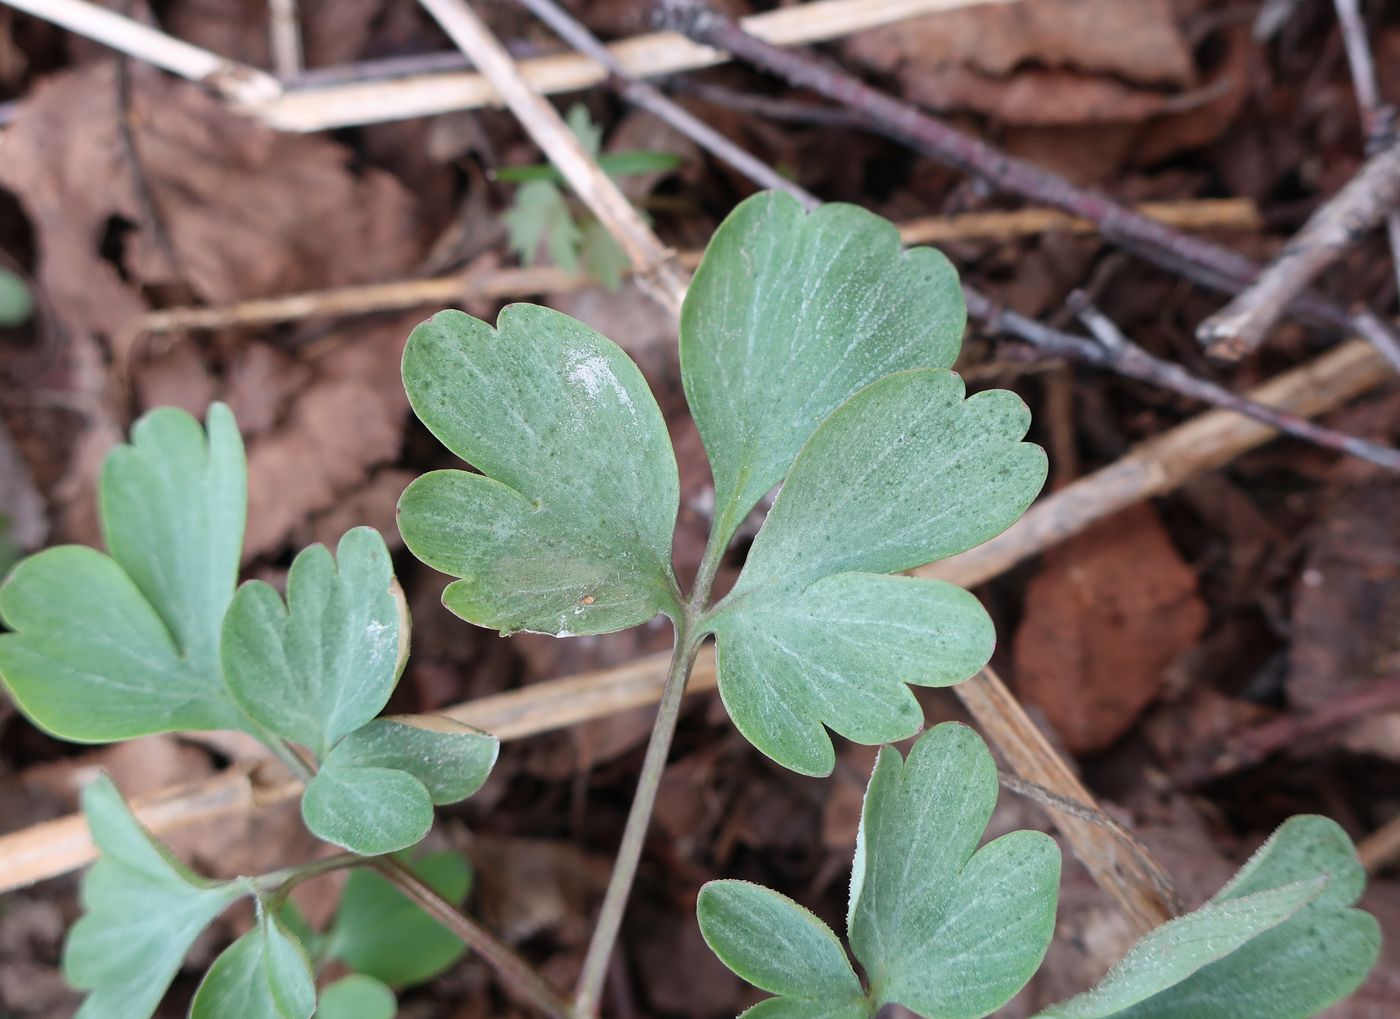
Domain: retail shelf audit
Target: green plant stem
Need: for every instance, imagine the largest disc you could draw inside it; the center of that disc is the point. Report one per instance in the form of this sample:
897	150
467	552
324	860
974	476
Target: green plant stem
288	756
512	969
280	882
690	634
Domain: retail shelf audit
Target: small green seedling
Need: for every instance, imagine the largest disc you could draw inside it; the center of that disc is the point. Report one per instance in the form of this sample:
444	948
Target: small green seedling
152	637
541	219
951	931
815	353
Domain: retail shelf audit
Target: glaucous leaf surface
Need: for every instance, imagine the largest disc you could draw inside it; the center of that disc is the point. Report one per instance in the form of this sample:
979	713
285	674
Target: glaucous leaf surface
567	530
263	975
943	928
370	811
905	472
790	314
452	760
108	648
780	947
939	926
1279	941
357	997
323	664
380	932
142	909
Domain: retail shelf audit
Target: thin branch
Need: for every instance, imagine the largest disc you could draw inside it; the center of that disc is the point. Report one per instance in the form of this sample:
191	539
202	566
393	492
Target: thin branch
1207	214
1362	204
516	973
1257	743
644	56
1381	848
284	32
238	82
654	263
1155	468
1113	351
650	99
1206	263
1377	117
1053	801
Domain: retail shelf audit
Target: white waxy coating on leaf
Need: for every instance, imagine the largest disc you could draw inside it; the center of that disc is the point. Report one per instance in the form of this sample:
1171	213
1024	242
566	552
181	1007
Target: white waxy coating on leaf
568	528
323	664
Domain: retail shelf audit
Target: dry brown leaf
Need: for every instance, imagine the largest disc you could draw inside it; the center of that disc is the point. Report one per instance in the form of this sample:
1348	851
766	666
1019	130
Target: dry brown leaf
954	59
1104	619
335	432
1346	608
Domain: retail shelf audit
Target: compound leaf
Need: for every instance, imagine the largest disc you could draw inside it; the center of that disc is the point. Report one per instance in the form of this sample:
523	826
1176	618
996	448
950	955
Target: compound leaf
142	910
381	932
903	473
1279	941
540	218
788	316
452	760
265	974
110	648
943	928
324	664
357	997
782	948
370	811
569	530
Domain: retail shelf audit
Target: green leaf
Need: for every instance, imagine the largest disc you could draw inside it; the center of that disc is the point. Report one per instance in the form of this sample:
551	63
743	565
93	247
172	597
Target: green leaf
452	760
943	928
173	510
569	530
109	648
788	316
324	664
903	473
603	258
16	302
1277	942
589	134
540	218
628	163
142	910
357	997
778	946
263	975
381	932
370	811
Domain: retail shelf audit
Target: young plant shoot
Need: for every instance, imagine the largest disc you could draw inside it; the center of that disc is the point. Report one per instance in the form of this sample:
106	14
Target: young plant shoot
815	354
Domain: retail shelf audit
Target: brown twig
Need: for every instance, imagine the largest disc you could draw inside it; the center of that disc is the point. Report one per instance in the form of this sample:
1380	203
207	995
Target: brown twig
1113	351
653	263
1381	848
650	99
1377	117
1198	259
1253	745
1155	468
1208	214
516	973
284	34
1059	803
1362	204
